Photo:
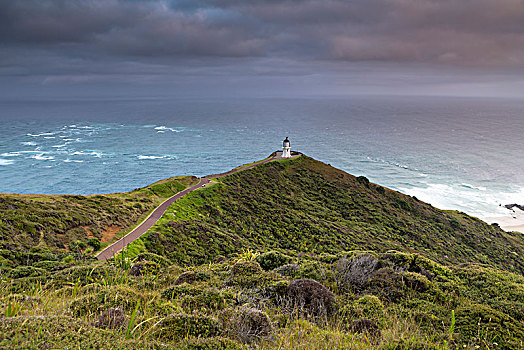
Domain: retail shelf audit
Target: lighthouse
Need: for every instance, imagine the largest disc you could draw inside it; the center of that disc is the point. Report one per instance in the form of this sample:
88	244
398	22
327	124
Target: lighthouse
286	146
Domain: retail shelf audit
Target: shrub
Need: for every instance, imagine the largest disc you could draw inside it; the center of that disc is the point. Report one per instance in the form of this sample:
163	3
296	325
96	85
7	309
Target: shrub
245	324
186	277
181	326
365	326
94	242
387	284
160	260
312	270
311	295
111	318
26	271
249	274
418	283
211	299
352	275
192	276
363	180
213	343
289	270
366	307
181	290
50	265
481	322
417	263
85	274
115	296
69	259
144	268
271	260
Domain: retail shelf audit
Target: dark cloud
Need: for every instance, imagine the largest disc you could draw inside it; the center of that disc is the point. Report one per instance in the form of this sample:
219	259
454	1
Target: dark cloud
96	38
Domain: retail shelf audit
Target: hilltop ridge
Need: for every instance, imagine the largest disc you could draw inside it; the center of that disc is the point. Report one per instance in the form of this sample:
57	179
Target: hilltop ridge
310	207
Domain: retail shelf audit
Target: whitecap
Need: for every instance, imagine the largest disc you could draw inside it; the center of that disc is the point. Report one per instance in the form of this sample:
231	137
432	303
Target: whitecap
41	156
59	146
30	143
42	134
92	153
10	154
466	185
164	128
150	157
49	137
6	161
73	161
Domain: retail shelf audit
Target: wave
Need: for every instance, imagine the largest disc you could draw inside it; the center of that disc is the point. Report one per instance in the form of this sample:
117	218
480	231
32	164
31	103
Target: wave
466	185
41	156
11	154
164	128
42	134
478	201
6	161
59	146
91	153
150	157
72	161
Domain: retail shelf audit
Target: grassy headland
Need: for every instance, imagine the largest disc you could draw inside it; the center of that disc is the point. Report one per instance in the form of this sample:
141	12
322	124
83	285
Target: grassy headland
292	254
67	223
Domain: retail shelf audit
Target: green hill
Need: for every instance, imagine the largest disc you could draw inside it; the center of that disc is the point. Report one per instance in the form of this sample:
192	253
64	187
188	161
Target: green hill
292	254
305	206
67	222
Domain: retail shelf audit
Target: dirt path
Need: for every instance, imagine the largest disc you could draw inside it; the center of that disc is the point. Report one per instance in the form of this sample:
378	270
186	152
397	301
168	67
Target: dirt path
157	213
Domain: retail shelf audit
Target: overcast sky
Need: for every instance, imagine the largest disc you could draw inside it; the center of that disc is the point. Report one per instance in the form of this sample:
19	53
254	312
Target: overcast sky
262	47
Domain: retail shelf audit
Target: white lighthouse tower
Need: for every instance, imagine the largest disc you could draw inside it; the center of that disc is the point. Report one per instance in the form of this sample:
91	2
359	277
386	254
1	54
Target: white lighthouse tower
286	146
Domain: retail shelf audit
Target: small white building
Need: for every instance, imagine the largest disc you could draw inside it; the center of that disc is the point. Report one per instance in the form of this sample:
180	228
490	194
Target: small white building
286	146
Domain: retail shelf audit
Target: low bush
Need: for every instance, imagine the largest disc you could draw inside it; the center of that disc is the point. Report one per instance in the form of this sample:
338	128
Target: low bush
366	307
50	265
192	276
272	259
111	297
26	271
310	296
182	326
209	299
352	275
249	274
245	324
289	270
143	268
181	290
213	343
387	284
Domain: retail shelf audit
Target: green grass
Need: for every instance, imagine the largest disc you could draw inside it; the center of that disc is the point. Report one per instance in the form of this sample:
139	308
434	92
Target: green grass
305	206
63	223
428	279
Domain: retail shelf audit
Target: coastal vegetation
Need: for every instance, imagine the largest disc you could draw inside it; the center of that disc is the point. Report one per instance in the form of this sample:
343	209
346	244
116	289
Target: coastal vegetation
76	223
292	254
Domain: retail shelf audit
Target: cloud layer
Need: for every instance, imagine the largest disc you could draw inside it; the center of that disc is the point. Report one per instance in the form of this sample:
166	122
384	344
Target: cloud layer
100	36
486	32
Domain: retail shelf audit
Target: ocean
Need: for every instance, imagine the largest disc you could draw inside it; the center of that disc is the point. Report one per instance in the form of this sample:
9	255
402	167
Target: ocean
455	153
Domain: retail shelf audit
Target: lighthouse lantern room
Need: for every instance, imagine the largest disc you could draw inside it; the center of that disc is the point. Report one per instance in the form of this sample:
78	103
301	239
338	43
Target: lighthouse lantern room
286	146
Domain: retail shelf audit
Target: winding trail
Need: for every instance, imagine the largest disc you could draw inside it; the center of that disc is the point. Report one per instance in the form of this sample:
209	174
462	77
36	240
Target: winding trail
157	213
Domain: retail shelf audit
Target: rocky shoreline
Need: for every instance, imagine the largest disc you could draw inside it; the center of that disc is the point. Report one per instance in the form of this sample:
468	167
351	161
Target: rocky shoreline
511	206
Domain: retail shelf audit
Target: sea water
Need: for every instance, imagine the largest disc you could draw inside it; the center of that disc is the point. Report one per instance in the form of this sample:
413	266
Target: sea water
462	154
